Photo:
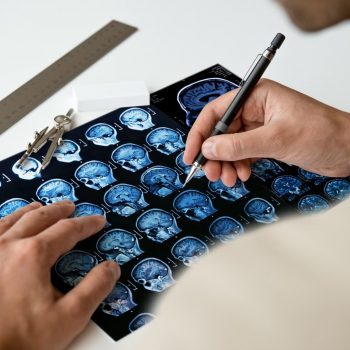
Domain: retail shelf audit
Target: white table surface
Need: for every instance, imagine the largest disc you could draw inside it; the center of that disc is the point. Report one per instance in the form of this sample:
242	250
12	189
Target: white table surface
175	39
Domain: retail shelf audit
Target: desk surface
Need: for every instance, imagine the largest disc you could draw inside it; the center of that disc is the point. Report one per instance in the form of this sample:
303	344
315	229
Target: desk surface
175	39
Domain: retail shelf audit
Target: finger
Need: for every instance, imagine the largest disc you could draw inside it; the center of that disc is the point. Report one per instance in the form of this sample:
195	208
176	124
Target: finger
81	302
35	221
8	221
228	174
66	233
212	170
243	169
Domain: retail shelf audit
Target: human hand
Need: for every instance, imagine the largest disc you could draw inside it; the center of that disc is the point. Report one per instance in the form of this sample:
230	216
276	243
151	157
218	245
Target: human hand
275	122
34	315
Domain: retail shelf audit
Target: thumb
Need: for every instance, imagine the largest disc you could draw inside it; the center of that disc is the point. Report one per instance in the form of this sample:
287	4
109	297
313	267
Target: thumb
255	143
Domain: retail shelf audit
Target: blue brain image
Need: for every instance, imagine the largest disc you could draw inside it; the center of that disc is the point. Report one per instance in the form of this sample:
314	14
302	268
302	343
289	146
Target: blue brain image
225	229
67	152
125	199
189	249
140	320
261	211
154	274
338	189
29	170
118	245
289	187
312	204
229	193
158	225
186	168
266	169
131	157
136	119
192	98
161	181
194	205
11	205
95	174
102	134
119	301
313	177
87	209
165	140
56	190
74	266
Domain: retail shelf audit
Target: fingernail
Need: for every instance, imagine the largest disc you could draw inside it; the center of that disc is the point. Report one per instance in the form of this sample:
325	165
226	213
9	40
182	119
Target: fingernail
66	202
114	268
35	204
209	149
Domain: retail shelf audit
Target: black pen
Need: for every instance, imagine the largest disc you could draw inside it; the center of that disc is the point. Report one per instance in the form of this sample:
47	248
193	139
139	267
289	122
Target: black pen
252	77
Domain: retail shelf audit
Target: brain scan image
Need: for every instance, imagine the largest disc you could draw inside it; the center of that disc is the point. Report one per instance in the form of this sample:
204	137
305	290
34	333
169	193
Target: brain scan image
153	274
194	205
158	225
102	134
95	174
189	250
125	199
289	187
136	119
313	177
161	181
225	229
119	301
88	209
266	169
192	98
186	168
165	140
74	266
229	193
131	157
11	205
67	152
56	190
337	189
29	170
118	245
312	204
140	320
261	211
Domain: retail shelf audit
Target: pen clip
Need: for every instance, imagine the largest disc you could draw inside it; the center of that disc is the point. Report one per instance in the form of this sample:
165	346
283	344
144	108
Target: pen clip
250	70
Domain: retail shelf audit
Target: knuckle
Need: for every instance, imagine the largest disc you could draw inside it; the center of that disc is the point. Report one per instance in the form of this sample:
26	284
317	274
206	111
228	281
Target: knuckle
236	147
39	215
32	247
70	224
76	307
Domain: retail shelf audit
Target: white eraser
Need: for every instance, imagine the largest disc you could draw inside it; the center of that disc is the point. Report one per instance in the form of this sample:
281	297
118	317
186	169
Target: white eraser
110	96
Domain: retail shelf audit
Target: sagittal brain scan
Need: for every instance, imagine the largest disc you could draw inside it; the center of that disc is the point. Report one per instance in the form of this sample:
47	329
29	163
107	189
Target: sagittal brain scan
140	320
165	140
192	98
119	301
118	245
225	229
186	168
153	274
312	204
261	211
125	199
74	266
102	134
56	190
136	119
161	180
88	209
131	157
29	170
158	225
313	177
95	174
189	250
338	189
67	152
289	187
11	205
266	169
194	205
229	193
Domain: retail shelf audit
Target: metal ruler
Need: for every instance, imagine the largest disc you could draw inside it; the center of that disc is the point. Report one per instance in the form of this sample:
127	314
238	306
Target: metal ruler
28	96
